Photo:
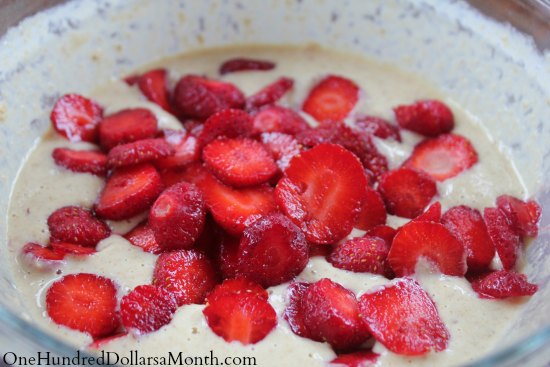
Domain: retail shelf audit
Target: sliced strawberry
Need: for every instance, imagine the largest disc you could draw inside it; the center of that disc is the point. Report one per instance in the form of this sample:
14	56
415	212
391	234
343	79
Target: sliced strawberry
361	255
272	251
231	208
331	314
431	214
127	126
503	284
77	225
237	286
143	236
524	216
319	250
198	97
364	358
278	119
71	248
229	256
154	86
404	319
373	211
177	216
323	192
76	117
186	150
193	127
384	232
378	127
506	240
467	225
332	99
244	64
147	308
171	177
283	147
431	241
443	157
270	93
228	124
42	257
100	343
427	117
239	162
129	191
187	274
87	161
241	317
210	239
406	191
84	302
141	151
294	313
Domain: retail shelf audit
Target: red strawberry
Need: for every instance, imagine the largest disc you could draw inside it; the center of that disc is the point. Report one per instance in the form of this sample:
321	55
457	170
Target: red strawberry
76	117
323	192
177	216
431	214
278	119
198	97
241	317
140	151
503	284
404	319
127	126
71	248
42	257
226	123
193	127
332	99
363	358
101	342
244	64
87	161
129	191
431	241
378	127
362	255
229	256
272	251
270	93
231	208
524	216
187	274
153	85
467	225
427	117
443	157
283	147
406	191
77	225
373	211
384	232
319	250
239	162
171	177
84	302
331	314
237	286
294	313
143	236
186	150
505	238
147	308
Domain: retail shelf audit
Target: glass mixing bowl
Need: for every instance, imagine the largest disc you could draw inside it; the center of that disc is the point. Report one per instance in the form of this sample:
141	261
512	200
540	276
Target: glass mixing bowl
475	60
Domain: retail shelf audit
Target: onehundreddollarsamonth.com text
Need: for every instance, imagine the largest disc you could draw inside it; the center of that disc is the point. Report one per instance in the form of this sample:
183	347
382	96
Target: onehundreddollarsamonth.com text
133	358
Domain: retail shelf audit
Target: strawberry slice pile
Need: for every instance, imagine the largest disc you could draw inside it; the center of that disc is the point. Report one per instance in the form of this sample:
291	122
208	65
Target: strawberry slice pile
246	192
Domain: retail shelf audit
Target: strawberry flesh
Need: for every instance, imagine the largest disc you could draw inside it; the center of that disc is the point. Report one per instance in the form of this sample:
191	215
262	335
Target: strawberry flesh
154	86
426	117
226	123
140	151
283	147
384	232
278	119
85	161
361	255
524	216
362	358
42	257
127	126
270	93
431	241
177	216
77	225
404	319
128	192
378	127
71	248
506	240
503	284
186	150
228	258
272	251
237	286
432	214
294	313
245	64
76	117
84	302
143	236
332	99
323	192
373	211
